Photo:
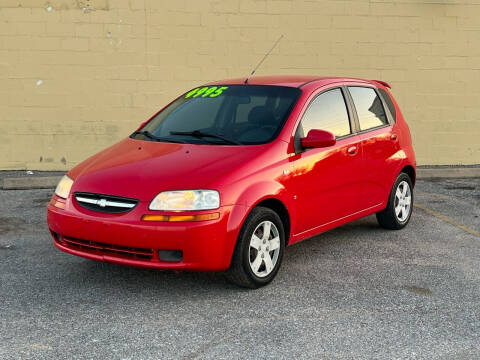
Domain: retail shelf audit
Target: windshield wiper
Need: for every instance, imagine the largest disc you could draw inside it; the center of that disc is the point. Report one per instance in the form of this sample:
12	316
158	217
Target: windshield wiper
201	134
149	135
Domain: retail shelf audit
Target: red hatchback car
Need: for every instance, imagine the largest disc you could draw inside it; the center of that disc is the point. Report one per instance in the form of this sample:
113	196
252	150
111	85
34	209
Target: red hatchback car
230	173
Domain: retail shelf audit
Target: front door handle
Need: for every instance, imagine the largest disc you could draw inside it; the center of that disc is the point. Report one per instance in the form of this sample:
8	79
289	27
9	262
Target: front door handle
352	150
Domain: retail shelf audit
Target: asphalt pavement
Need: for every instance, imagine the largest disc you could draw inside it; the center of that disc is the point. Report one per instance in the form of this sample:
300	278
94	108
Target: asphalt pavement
356	292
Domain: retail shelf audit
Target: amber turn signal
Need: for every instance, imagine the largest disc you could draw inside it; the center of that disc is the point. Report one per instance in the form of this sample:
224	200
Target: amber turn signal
177	218
57	204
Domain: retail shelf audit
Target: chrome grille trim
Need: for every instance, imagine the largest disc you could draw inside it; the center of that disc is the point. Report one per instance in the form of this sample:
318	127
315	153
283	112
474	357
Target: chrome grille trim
105	203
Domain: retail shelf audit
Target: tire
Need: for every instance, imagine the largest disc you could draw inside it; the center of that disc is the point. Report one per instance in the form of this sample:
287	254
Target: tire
250	266
399	208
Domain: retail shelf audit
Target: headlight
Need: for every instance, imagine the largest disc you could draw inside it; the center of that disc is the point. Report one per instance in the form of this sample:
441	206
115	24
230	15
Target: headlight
182	200
63	187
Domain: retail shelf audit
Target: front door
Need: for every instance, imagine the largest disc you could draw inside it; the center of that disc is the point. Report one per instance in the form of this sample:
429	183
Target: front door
327	182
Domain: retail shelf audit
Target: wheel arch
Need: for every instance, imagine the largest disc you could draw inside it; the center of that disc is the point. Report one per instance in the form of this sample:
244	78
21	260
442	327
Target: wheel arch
280	208
410	171
272	195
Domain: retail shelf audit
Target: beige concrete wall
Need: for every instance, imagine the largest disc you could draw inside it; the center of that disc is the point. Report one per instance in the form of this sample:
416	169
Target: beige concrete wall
78	75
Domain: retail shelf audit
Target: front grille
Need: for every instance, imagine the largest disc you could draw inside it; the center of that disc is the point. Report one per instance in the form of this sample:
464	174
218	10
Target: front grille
98	248
105	203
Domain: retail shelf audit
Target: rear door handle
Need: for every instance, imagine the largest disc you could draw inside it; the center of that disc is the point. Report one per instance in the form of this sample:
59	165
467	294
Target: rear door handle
394	137
352	150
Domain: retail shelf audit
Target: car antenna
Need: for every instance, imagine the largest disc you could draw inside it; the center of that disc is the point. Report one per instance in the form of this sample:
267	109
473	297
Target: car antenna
263	59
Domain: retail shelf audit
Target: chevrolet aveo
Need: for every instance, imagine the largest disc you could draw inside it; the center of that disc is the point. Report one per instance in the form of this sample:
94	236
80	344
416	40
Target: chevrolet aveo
230	173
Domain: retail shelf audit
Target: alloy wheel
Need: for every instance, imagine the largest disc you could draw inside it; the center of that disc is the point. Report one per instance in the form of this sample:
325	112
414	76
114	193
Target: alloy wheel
403	201
264	248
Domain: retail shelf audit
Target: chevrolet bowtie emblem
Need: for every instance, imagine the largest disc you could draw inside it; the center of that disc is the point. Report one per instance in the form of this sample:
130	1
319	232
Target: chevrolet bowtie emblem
102	203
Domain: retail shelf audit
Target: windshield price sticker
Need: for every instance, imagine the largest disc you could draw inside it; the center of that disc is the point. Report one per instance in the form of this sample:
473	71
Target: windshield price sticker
208	91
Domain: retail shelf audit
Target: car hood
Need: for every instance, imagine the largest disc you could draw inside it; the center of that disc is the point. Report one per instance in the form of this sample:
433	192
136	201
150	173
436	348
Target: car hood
141	169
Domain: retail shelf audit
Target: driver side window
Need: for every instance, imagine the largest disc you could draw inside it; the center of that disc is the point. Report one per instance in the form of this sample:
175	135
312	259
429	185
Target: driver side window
327	111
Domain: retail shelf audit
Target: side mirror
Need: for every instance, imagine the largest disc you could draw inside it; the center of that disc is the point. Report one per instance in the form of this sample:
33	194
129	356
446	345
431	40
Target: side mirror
318	139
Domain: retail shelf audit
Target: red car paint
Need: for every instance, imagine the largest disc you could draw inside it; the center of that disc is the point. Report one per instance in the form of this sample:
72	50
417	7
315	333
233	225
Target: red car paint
321	188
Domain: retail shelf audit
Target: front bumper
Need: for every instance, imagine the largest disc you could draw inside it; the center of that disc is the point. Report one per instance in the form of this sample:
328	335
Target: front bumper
126	239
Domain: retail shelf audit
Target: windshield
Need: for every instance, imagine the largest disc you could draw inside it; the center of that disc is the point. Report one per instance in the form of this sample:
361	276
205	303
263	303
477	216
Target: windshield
223	114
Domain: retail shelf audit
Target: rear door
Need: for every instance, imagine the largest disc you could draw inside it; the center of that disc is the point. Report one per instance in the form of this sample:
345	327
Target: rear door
326	179
379	142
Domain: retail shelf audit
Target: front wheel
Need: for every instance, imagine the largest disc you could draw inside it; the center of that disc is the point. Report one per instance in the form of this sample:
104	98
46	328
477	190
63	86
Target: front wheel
259	249
400	204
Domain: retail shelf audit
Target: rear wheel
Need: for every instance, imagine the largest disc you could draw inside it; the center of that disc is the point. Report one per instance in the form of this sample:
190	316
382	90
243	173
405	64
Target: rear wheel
259	249
400	204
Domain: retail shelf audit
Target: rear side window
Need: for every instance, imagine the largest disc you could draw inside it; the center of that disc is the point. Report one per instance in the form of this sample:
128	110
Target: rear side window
327	112
369	107
389	102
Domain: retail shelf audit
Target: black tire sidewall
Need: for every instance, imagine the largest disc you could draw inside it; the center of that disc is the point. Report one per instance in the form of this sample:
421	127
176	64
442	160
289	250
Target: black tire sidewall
250	225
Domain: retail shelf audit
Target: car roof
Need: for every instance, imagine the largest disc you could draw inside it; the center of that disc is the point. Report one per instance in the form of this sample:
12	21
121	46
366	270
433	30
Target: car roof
290	80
